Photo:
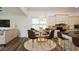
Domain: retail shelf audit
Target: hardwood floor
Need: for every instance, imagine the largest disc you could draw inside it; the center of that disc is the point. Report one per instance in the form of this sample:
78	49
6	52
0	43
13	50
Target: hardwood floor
17	44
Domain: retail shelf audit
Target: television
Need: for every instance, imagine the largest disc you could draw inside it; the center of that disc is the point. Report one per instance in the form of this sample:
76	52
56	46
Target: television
4	23
76	26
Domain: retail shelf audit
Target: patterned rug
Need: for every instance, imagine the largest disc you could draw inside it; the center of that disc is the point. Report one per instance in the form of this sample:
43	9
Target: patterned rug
39	45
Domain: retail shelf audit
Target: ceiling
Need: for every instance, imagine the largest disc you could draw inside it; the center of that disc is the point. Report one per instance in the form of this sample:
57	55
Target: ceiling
44	10
11	11
56	9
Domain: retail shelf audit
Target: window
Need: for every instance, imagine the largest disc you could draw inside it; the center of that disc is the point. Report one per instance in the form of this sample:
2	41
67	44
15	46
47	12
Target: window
39	22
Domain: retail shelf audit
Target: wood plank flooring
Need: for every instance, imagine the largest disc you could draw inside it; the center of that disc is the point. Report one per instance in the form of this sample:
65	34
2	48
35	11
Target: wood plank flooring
17	44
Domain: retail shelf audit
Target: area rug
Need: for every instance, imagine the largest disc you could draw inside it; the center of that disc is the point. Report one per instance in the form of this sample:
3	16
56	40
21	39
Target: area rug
37	45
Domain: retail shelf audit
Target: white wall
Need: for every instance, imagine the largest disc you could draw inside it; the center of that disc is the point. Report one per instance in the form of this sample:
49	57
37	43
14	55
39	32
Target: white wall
52	19
20	22
70	20
41	13
23	23
17	19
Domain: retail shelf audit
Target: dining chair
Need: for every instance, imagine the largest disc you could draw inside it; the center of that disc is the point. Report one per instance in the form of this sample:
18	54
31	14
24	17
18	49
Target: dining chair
51	35
32	35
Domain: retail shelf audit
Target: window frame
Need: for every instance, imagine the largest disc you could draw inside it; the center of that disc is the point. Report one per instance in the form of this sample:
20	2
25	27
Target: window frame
39	22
